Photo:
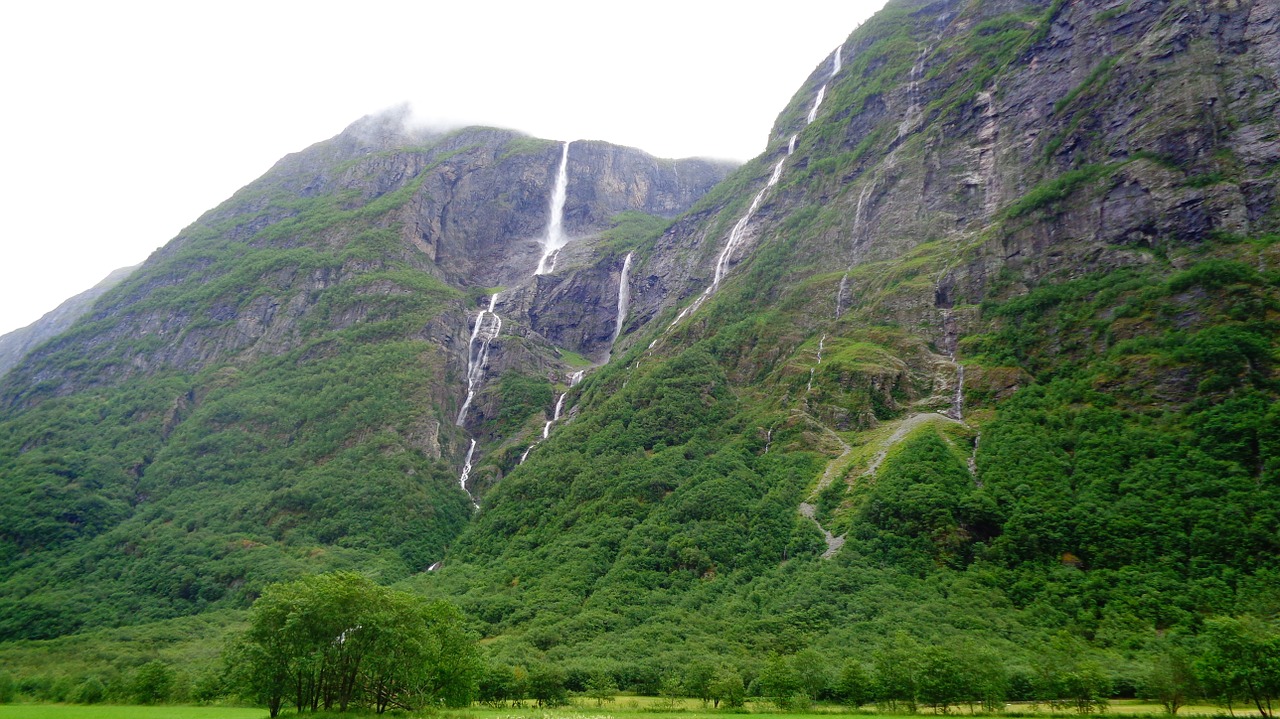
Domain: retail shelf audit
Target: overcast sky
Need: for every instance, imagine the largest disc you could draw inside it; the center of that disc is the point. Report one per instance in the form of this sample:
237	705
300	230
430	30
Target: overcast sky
126	120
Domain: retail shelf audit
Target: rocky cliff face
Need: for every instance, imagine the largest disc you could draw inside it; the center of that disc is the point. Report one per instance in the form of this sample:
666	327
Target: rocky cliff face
18	343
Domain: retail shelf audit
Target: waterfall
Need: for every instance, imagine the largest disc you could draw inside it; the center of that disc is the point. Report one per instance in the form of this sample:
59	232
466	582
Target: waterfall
821	342
576	377
555	226
957	400
822	91
478	355
736	235
739	227
813	111
466	468
529	449
546	428
624	298
912	114
844	286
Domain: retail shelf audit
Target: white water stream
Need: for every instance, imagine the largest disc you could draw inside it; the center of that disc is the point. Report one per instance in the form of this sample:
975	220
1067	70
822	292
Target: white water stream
466	468
624	298
555	238
736	236
822	91
482	334
821	342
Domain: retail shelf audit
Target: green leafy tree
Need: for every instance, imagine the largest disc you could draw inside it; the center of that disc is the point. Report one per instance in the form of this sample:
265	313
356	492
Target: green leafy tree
90	691
944	679
546	685
1170	678
698	676
897	673
334	641
601	687
152	683
727	688
814	671
780	683
1240	660
854	687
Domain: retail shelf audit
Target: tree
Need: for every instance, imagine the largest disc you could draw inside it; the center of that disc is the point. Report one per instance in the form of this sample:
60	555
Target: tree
814	671
1169	678
781	684
546	684
152	683
943	678
90	691
727	687
854	687
601	687
697	680
338	640
1240	659
897	673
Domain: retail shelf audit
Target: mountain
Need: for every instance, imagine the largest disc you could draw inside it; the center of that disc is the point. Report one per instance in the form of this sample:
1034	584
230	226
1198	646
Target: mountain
275	391
16	344
980	352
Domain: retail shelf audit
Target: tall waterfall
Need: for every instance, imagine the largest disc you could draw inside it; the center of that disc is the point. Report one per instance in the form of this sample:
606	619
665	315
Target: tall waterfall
555	226
624	298
482	334
466	468
822	91
736	235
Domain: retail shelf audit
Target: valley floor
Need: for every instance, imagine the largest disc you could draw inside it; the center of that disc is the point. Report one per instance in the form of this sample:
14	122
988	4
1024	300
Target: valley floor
631	707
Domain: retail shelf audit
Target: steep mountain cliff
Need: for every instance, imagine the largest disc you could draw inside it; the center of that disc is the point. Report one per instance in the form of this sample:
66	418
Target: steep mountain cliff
16	344
279	388
981	348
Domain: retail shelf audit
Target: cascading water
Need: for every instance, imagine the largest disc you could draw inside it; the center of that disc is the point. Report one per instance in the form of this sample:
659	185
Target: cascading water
821	342
858	236
844	287
813	111
957	400
466	468
546	428
478	354
555	226
912	114
736	235
574	379
822	91
624	298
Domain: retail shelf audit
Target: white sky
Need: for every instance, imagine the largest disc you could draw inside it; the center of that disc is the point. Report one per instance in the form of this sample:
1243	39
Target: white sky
126	120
